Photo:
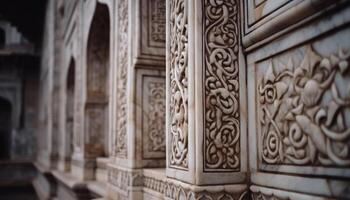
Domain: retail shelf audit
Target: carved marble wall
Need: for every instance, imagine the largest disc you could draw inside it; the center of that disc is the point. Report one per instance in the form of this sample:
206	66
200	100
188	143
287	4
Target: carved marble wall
298	92
210	99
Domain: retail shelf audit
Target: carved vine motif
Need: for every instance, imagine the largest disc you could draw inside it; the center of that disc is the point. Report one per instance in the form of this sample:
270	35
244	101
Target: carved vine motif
156	117
157	20
221	81
178	83
303	111
121	137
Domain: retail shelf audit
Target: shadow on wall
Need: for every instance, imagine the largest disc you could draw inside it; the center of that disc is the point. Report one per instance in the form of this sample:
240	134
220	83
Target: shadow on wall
5	128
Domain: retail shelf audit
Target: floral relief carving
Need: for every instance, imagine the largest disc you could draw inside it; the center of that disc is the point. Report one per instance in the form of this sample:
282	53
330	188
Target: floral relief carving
221	80
178	84
304	109
156	117
121	137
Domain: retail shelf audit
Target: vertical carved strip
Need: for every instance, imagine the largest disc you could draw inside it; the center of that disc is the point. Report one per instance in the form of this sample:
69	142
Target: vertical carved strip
178	84
121	137
221	86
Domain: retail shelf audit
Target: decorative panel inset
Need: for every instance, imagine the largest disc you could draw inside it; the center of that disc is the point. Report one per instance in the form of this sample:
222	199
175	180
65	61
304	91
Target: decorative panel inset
123	23
153	120
178	84
221	86
157	21
304	110
150	49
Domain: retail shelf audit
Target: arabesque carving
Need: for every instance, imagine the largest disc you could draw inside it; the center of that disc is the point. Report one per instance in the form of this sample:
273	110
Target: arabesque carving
178	84
121	137
304	109
156	117
221	80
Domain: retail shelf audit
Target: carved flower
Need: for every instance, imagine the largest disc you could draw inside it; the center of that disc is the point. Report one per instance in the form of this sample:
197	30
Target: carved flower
271	150
311	93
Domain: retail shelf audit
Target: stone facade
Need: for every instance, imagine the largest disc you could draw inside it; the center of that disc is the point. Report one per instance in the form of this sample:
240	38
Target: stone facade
181	99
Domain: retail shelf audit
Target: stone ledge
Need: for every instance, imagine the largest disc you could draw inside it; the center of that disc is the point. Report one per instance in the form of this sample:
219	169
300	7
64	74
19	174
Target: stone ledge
267	193
98	188
69	180
95	187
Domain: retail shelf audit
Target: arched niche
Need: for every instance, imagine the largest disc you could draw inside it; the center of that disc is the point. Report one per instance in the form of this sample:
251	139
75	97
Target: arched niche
5	128
70	93
2	38
98	55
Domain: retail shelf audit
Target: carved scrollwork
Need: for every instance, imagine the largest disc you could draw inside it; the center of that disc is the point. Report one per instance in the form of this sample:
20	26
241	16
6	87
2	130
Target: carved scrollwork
121	137
222	127
304	109
178	84
156	117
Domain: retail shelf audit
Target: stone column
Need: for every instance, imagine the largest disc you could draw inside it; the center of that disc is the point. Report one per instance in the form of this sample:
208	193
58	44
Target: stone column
139	126
206	110
48	153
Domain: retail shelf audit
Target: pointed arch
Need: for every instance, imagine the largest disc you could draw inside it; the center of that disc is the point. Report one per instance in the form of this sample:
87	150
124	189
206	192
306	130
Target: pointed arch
98	56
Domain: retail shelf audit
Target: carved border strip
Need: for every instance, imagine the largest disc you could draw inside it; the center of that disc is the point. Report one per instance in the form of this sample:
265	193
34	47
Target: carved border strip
121	137
221	86
178	84
124	180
